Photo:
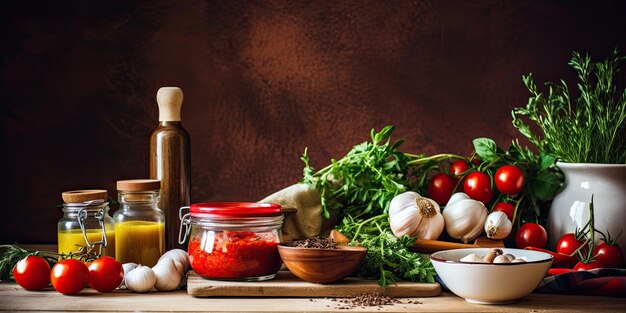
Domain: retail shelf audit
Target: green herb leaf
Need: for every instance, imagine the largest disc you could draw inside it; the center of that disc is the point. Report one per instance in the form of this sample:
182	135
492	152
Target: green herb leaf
486	149
546	161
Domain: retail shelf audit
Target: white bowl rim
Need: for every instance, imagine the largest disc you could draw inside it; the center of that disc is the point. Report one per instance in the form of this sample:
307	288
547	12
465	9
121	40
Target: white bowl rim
433	257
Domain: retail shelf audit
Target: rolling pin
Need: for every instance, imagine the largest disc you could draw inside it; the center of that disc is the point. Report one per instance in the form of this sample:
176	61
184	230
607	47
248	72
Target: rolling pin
430	246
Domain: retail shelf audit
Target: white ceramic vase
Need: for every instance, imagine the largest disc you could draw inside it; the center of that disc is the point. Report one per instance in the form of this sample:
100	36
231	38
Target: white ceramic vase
570	208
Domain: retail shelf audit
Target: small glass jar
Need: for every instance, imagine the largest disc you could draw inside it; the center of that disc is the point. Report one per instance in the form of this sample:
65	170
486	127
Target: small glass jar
233	240
86	223
139	222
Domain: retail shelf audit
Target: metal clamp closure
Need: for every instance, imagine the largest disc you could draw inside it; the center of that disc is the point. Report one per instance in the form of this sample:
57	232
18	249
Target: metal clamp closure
82	216
184	222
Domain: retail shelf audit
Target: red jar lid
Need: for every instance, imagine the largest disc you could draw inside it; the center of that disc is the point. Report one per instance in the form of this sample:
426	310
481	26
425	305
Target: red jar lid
235	209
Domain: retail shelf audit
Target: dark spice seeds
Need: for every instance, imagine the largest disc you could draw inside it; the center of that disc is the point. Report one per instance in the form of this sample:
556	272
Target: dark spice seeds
317	242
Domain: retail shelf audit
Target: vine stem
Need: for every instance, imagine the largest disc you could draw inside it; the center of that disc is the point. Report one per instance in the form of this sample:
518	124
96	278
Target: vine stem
437	157
369	220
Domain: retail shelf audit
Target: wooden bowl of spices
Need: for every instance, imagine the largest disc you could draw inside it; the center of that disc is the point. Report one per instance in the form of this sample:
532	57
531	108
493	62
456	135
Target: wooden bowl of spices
320	260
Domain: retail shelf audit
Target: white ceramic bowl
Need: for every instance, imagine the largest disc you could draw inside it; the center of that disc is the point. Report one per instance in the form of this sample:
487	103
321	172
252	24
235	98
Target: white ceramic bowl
491	283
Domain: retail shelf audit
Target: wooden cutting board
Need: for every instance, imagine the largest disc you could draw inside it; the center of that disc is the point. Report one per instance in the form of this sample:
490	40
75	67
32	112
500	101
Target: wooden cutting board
287	285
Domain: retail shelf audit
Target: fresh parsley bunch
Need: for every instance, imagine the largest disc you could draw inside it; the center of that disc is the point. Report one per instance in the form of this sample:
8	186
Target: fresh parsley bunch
388	257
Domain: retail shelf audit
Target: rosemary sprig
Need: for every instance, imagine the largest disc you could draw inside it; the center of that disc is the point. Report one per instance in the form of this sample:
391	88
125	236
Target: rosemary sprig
590	130
12	254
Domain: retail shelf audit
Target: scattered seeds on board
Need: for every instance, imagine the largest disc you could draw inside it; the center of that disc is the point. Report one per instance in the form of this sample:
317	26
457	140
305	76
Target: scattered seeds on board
367	300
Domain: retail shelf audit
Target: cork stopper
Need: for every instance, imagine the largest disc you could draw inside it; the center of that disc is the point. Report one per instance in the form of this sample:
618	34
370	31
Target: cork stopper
80	196
138	185
170	100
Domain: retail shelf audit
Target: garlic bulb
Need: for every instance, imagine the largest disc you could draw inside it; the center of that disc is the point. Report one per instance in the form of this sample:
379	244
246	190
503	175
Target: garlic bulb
168	278
141	279
464	218
414	215
179	268
498	225
127	268
177	255
456	197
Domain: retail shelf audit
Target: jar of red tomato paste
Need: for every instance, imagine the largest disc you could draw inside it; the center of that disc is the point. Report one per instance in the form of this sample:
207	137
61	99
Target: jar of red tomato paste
233	240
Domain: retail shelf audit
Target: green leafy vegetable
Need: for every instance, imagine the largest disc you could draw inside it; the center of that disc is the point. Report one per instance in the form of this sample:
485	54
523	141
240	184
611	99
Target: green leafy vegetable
364	181
388	258
591	130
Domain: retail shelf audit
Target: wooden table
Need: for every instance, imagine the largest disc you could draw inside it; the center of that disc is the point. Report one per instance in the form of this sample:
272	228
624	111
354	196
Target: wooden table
13	298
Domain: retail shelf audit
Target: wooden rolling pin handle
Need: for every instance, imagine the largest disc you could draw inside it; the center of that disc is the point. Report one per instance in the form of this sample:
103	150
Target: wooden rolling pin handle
430	246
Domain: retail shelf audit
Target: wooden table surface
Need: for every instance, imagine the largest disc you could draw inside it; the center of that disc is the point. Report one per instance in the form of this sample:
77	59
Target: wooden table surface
15	299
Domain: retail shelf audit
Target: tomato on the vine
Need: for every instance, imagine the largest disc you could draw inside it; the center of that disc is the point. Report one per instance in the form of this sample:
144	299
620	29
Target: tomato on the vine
458	167
477	185
32	273
105	274
509	179
441	187
610	255
582	266
531	235
568	244
69	276
506	208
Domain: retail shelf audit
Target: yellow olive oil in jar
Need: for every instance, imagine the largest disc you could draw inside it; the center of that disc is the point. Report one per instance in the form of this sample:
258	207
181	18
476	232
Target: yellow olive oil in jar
139	222
86	223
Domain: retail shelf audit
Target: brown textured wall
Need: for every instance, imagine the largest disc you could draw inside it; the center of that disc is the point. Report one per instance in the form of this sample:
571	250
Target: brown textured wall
262	80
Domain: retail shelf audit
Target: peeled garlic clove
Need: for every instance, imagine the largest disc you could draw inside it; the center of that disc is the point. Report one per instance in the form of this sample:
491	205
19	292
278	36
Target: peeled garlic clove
127	268
472	258
509	256
141	279
498	225
518	261
177	255
501	259
168	277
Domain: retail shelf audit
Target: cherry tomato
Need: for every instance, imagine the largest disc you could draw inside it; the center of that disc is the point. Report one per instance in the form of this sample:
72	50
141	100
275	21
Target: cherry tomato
506	208
477	186
458	167
568	243
609	255
105	274
509	179
531	235
69	276
441	187
580	266
32	273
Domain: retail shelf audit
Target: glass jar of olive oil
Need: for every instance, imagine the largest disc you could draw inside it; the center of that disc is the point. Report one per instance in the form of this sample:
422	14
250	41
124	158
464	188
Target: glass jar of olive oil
86	223
139	222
